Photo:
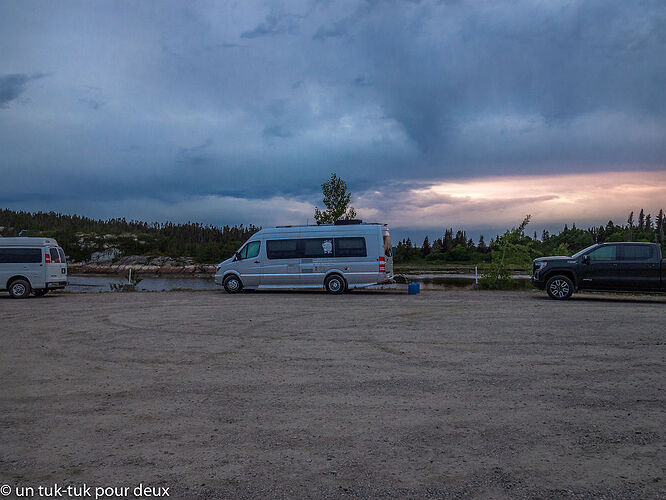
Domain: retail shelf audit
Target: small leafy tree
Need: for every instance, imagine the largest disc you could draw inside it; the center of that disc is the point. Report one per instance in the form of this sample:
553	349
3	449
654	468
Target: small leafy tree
513	247
336	200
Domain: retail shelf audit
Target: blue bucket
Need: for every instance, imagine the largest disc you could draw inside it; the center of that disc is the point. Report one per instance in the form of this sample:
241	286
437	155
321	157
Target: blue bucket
414	288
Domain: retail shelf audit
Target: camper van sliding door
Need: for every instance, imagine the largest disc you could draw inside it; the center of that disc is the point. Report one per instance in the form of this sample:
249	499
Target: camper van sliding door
316	253
282	263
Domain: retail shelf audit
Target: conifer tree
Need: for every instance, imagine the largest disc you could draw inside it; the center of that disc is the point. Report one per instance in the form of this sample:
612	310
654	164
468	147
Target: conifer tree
447	242
425	248
482	245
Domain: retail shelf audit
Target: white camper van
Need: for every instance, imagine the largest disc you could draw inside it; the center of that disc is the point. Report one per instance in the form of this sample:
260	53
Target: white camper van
34	265
336	257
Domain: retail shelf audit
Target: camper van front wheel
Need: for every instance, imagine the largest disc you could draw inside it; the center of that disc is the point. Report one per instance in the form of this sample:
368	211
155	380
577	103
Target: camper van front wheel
19	289
335	284
232	284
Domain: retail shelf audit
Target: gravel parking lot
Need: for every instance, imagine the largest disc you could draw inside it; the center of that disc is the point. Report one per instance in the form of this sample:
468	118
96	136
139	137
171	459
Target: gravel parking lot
443	394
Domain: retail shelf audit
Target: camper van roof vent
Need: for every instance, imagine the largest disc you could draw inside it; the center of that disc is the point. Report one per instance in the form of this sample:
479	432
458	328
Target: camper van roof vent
348	222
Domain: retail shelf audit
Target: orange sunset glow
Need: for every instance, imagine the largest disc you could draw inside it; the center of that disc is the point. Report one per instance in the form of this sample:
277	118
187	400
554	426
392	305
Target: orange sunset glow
589	198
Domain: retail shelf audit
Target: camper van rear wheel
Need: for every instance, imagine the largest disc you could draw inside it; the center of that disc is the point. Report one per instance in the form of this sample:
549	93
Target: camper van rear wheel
335	284
19	289
233	284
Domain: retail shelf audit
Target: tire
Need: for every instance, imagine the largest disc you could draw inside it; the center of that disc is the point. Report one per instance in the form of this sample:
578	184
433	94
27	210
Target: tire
335	284
41	292
233	284
20	289
559	287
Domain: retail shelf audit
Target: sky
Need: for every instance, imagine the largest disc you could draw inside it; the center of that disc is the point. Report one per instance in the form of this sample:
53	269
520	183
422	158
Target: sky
464	114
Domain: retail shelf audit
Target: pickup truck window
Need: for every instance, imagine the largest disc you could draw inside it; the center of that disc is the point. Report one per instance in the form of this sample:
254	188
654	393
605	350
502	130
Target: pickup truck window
637	252
582	252
603	254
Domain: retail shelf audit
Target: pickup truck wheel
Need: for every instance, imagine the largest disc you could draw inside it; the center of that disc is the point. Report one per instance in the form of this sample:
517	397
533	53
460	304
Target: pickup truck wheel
19	289
559	287
233	284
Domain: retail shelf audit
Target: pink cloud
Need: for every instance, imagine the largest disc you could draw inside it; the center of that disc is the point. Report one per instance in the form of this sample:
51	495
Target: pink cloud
590	198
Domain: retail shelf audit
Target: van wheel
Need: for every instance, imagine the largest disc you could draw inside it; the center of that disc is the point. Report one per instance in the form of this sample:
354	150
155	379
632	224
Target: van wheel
41	292
19	289
335	284
233	284
559	287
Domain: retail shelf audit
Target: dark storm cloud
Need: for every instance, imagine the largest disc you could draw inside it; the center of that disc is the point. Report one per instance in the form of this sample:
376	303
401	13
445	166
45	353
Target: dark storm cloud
12	86
275	24
335	30
184	100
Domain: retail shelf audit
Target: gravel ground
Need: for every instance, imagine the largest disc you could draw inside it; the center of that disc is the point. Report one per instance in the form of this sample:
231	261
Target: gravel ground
377	394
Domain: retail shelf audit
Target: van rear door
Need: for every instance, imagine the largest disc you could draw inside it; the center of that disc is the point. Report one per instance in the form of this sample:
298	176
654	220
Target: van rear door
388	251
56	265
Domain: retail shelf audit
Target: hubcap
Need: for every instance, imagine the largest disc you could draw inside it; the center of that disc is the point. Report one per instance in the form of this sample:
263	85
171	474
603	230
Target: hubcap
18	289
334	285
559	288
233	285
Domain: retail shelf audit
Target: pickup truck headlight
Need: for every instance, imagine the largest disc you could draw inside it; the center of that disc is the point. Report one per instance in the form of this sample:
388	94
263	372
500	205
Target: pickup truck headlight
539	266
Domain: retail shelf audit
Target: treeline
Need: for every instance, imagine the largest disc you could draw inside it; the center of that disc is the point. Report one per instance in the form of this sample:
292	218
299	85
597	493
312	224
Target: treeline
460	248
81	236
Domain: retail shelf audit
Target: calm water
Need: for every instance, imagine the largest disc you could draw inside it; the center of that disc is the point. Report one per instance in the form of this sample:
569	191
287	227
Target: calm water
102	283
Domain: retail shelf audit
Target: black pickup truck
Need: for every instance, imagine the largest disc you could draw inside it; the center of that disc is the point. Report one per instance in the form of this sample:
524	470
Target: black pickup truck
607	267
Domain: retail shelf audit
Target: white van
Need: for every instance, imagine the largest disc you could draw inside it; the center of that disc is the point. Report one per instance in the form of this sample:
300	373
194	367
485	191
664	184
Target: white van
336	257
34	265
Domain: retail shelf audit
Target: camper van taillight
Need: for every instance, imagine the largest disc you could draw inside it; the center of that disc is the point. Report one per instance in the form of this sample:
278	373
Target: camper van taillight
47	257
382	265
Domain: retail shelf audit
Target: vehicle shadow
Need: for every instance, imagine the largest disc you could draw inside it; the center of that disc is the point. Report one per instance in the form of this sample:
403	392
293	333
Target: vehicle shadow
31	298
323	292
631	299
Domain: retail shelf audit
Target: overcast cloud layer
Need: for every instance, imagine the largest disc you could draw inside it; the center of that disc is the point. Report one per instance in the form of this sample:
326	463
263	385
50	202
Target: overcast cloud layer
237	111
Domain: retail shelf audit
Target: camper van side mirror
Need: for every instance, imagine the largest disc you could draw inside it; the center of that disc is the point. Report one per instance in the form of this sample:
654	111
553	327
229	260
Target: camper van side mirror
237	256
586	259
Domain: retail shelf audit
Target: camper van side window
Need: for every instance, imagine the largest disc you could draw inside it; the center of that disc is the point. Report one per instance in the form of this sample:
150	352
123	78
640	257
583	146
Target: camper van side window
350	247
20	255
317	247
282	249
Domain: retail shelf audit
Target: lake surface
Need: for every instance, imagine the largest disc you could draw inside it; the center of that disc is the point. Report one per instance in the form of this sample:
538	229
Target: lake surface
102	283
